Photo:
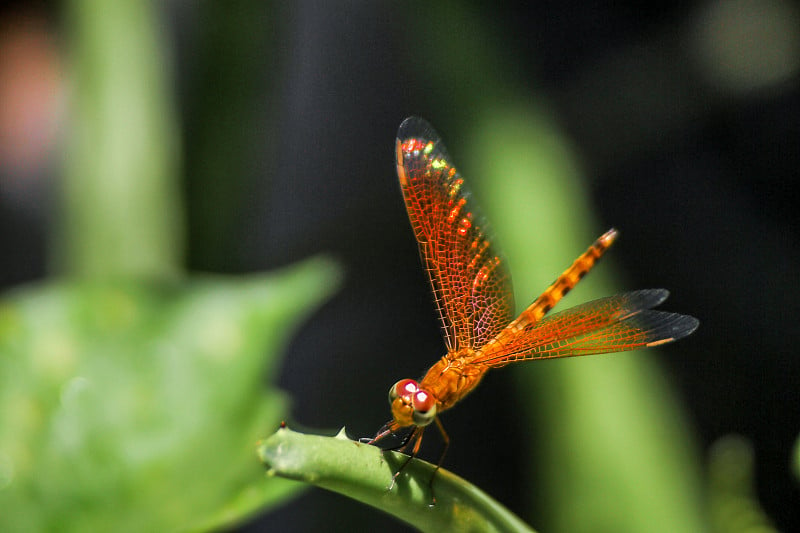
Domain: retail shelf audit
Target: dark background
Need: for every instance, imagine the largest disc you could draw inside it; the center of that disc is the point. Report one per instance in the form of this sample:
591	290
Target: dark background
686	119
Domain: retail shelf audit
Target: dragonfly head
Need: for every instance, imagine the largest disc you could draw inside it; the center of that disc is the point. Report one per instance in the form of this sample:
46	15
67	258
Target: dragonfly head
411	405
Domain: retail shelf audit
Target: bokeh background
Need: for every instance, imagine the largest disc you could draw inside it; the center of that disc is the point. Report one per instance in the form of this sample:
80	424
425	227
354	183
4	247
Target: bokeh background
676	122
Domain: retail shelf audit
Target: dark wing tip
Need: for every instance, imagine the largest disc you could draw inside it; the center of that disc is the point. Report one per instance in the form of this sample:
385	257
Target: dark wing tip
684	326
647	298
663	327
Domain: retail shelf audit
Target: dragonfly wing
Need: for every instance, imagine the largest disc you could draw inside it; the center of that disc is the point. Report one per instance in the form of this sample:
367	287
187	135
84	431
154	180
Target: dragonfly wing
614	324
471	286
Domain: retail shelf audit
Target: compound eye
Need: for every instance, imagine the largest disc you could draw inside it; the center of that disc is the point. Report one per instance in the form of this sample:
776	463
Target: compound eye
404	387
424	408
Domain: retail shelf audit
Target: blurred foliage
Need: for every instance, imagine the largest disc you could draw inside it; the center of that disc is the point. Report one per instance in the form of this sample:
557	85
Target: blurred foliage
733	505
137	407
131	400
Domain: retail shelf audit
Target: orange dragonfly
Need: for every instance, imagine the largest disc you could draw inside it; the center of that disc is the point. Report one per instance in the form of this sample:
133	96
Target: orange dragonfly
473	295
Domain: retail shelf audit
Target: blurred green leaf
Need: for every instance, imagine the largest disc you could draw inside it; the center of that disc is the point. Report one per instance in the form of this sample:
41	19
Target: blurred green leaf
133	408
364	473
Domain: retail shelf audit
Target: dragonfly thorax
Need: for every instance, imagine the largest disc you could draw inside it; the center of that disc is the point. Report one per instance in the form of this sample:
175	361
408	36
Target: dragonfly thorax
452	378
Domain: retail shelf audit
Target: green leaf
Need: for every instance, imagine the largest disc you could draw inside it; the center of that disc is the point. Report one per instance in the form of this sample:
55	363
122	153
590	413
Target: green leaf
132	408
364	473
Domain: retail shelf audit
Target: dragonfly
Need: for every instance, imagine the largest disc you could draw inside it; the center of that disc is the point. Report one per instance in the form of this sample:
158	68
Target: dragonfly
473	295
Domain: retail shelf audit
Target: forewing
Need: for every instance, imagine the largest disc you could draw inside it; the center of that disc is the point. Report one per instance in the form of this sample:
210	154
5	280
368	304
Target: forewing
614	324
471	286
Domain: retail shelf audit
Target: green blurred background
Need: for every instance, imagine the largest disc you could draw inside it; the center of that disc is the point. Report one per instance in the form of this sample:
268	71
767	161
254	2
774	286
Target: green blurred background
677	123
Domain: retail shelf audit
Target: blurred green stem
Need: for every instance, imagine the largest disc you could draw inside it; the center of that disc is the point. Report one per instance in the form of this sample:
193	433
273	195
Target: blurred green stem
121	213
733	502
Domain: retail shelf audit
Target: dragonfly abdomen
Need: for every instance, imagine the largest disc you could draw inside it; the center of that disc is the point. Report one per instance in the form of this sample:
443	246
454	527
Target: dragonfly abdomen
565	282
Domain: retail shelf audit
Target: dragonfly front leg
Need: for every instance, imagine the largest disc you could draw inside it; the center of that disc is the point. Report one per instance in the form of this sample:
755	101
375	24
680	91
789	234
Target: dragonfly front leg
416	439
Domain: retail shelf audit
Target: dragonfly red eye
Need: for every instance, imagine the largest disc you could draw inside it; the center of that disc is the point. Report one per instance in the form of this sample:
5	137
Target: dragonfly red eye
424	408
404	387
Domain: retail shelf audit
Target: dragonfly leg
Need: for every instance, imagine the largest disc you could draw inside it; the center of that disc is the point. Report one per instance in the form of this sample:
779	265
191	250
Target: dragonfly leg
415	438
446	439
384	432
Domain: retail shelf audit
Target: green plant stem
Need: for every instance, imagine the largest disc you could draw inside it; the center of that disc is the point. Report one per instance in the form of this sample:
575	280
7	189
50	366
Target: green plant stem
121	213
364	473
